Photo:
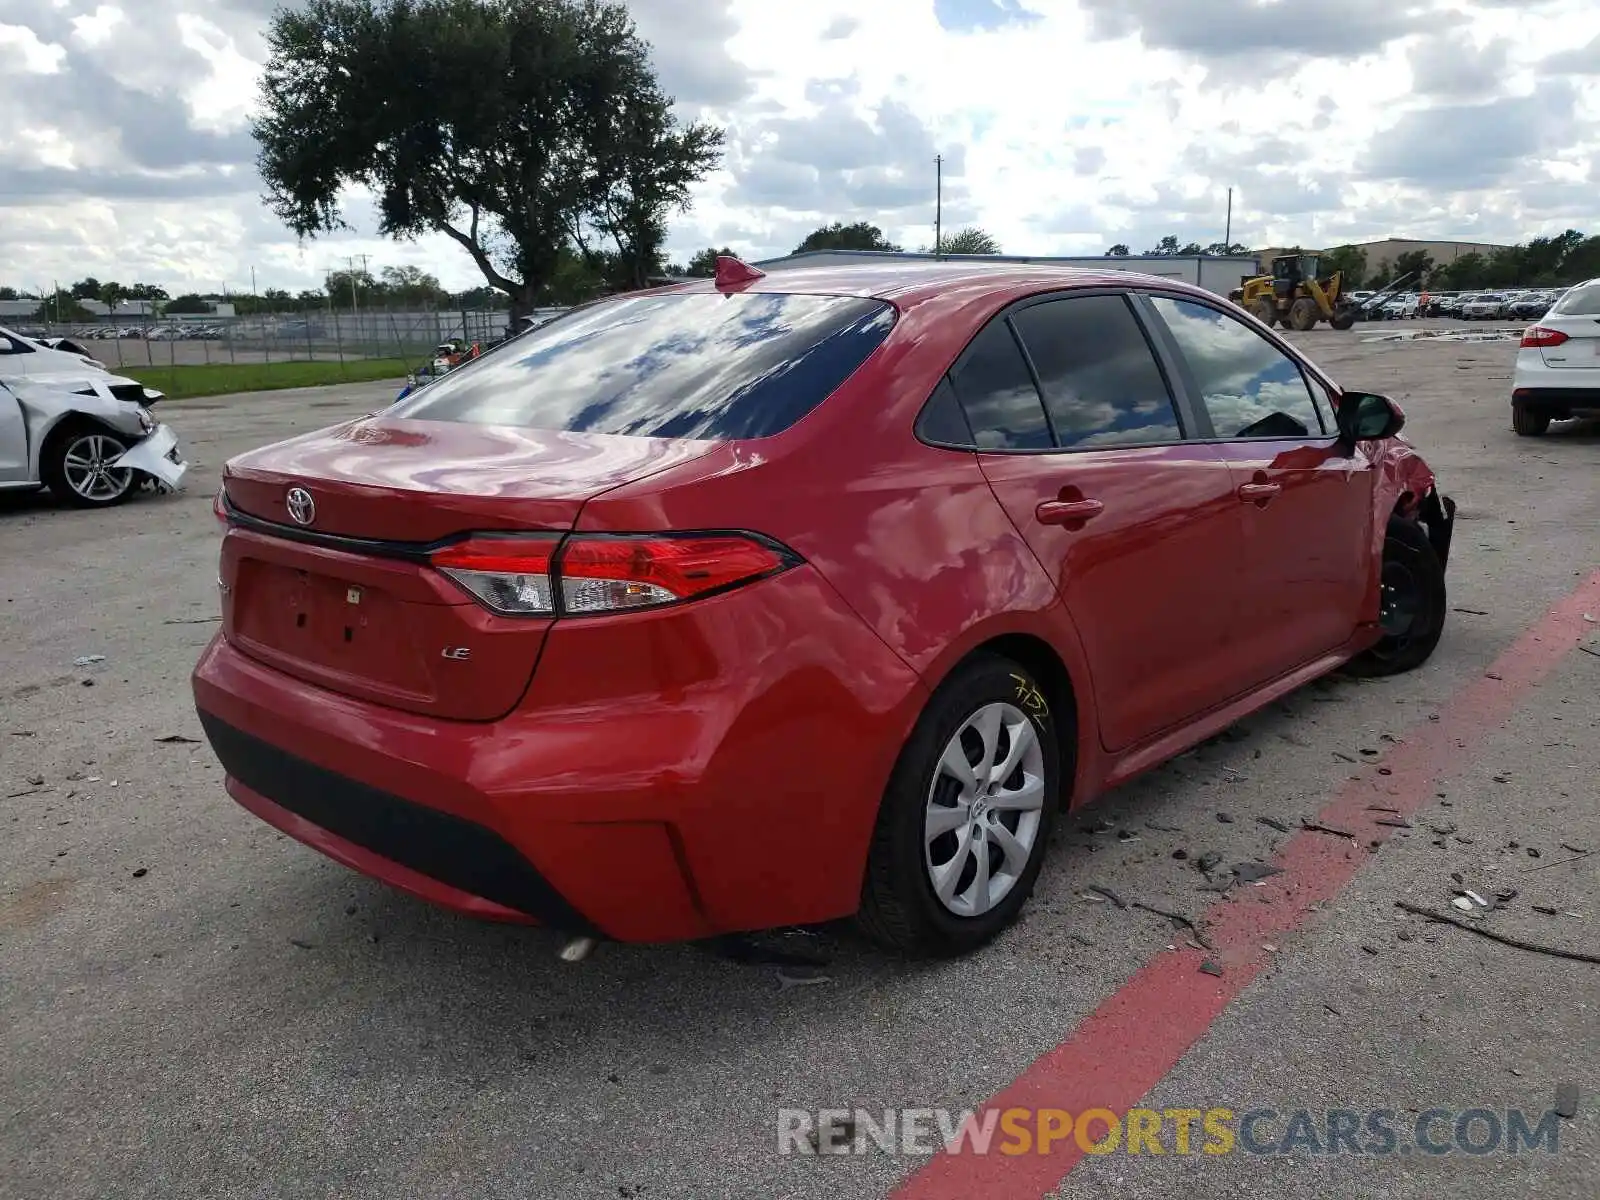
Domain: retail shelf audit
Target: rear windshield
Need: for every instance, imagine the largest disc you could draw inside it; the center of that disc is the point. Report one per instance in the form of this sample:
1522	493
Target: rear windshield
1581	301
696	365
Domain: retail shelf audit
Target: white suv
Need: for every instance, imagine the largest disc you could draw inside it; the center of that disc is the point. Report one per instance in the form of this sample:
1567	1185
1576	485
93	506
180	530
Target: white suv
1558	367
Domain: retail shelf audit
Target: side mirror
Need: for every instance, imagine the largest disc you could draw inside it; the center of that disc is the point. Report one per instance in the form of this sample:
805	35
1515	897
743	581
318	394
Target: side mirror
1365	417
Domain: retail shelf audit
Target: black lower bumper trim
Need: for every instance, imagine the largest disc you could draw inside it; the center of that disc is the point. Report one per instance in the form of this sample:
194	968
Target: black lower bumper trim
1557	401
440	845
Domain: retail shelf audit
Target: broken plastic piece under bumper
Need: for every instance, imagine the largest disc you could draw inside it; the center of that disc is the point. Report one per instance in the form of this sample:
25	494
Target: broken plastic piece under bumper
158	456
1438	513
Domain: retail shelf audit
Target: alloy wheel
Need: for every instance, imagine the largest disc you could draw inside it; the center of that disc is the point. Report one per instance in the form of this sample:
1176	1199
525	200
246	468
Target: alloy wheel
88	470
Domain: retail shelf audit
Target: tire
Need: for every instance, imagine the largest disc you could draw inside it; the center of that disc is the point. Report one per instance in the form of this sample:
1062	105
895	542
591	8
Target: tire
900	908
73	467
1303	315
1343	318
1266	312
1410	564
1528	423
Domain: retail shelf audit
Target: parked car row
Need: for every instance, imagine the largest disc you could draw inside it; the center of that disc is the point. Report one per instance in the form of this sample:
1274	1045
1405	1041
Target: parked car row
1512	305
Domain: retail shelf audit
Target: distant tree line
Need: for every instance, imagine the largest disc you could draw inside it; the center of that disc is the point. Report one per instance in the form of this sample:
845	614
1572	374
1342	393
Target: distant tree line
1566	258
1169	247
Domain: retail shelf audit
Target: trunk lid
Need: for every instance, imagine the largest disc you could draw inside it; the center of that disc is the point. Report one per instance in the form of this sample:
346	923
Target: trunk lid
419	481
346	600
1582	347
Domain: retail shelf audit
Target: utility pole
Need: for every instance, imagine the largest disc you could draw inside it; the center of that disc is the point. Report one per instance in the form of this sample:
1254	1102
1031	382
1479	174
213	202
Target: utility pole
938	204
1227	236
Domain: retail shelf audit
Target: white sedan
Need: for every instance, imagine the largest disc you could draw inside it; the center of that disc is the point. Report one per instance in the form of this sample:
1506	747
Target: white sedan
34	356
1490	306
86	435
1558	366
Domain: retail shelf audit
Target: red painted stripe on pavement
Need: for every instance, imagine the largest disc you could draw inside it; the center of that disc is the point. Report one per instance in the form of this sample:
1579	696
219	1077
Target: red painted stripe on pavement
1127	1045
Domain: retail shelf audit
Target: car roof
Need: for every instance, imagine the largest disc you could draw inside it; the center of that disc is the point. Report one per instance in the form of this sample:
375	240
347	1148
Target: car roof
905	284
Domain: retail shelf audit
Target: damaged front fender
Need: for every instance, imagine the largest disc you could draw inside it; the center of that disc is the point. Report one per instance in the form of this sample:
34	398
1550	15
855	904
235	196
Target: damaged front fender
158	457
1407	486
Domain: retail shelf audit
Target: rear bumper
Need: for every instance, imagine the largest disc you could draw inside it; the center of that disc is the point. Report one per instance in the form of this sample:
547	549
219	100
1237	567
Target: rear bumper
1559	401
740	794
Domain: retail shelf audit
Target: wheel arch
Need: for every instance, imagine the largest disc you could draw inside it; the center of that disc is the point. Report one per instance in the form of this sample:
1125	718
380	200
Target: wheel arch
1063	694
67	423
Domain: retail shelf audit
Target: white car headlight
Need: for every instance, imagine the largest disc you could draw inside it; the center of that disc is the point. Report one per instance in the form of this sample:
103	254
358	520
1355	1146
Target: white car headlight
146	421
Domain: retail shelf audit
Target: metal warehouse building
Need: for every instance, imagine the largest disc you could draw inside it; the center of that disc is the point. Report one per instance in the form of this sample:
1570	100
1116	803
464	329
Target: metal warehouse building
1219	275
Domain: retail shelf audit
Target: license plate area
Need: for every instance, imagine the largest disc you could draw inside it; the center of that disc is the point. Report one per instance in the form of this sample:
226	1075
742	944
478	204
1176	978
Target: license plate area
333	627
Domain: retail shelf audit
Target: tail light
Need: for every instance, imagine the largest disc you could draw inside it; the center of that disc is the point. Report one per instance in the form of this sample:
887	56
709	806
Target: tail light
219	506
510	575
1541	337
590	574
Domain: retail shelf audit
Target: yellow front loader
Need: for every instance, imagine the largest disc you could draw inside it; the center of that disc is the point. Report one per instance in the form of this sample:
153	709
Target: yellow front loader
1293	296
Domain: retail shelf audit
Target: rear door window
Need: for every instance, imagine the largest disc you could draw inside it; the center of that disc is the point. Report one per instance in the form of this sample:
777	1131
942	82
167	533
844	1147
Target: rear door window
696	365
997	394
1249	387
1101	384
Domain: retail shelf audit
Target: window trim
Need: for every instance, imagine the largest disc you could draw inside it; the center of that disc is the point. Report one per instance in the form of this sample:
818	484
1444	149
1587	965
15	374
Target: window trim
1178	391
1309	375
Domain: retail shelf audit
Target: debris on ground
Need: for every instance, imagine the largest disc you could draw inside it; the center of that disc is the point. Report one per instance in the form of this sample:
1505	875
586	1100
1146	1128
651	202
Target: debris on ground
140	872
1254	872
1208	862
1567	1100
192	621
1545	909
177	739
26	792
1462	903
1561	862
1177	919
1471	612
1393	823
1210	968
799	977
1081	939
1349	758
1159	828
304	945
88	660
1180	854
1108	894
1225	818
1273	823
1503	939
748	950
34	781
1318	827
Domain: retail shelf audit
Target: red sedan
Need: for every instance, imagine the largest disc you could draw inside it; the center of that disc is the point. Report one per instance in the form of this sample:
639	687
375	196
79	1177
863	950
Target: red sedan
774	599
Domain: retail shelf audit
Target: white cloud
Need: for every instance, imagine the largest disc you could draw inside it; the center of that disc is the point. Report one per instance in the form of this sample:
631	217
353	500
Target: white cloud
1066	125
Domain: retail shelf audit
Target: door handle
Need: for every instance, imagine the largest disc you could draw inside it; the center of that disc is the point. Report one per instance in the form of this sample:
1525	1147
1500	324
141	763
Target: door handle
1258	493
1067	512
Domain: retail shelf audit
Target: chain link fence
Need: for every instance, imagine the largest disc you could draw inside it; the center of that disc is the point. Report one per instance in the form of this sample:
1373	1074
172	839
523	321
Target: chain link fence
407	335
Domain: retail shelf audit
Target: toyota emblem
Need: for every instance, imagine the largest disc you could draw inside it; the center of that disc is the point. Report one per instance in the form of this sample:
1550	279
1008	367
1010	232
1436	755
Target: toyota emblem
302	508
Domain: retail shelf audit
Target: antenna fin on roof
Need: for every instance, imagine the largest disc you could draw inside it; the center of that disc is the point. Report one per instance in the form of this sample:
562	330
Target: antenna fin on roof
732	273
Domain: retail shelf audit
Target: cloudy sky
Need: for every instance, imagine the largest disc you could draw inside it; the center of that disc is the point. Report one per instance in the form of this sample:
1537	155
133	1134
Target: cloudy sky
1066	125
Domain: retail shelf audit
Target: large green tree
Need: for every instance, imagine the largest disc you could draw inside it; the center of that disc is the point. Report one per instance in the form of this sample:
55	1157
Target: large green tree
518	128
971	240
703	265
859	235
1416	263
1350	261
